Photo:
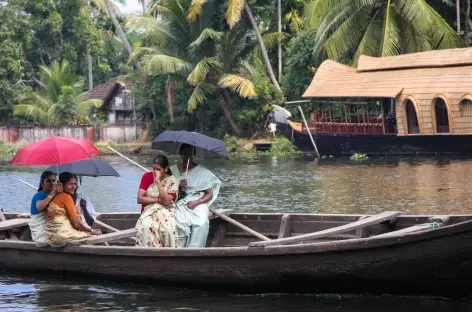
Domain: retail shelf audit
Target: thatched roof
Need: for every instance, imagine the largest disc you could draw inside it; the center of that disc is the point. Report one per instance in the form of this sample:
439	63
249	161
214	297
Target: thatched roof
440	71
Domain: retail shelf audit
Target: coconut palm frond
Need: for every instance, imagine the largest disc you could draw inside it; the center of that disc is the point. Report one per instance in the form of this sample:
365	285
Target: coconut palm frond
441	34
370	43
165	64
390	44
414	40
271	40
201	70
347	36
237	84
84	107
195	9
198	95
234	11
206	34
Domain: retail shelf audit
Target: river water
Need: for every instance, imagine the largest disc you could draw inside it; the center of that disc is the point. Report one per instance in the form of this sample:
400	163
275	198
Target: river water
264	184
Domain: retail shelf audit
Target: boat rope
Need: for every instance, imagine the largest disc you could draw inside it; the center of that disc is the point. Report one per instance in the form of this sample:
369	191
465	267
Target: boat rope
434	225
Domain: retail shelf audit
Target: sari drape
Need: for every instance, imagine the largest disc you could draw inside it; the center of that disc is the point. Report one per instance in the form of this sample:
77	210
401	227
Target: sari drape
58	228
36	224
193	224
156	225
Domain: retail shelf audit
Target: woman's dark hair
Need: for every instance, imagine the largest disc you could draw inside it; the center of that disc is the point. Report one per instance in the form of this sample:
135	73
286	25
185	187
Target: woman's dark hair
162	161
191	147
64	177
46	174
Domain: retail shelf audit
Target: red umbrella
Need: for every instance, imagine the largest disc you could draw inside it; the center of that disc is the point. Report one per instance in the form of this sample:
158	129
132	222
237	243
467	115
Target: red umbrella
54	150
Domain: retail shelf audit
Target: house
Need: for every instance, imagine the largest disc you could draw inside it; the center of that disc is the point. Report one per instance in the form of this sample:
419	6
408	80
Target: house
117	101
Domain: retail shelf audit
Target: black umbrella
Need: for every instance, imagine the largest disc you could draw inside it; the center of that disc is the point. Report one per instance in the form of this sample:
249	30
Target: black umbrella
88	167
205	146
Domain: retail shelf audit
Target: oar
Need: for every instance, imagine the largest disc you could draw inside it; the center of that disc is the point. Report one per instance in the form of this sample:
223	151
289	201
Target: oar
100	223
216	212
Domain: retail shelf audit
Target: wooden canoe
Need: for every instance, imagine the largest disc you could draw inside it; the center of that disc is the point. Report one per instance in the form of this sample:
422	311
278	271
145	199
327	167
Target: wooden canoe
388	253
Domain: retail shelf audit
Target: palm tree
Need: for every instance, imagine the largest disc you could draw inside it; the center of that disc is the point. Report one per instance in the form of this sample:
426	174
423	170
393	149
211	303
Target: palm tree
377	28
109	5
234	12
60	99
467	23
211	61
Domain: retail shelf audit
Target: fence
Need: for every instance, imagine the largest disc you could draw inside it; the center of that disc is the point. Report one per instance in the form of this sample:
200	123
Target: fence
117	133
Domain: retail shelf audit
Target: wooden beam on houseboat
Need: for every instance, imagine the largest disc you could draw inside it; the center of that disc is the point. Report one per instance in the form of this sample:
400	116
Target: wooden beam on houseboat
375	219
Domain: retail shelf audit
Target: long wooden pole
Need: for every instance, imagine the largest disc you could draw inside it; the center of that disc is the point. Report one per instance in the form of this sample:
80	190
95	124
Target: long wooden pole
317	155
216	212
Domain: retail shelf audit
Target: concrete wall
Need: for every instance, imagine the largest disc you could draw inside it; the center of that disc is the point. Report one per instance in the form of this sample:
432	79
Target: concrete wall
118	133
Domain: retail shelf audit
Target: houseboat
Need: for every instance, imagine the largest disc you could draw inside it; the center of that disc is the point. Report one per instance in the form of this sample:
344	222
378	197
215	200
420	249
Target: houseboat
411	104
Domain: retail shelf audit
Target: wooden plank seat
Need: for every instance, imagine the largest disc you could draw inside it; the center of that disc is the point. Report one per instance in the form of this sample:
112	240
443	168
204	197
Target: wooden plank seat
105	238
375	219
13	224
411	229
226	212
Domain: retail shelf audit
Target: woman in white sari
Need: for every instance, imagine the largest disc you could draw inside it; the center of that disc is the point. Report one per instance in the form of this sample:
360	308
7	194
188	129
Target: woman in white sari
199	188
47	189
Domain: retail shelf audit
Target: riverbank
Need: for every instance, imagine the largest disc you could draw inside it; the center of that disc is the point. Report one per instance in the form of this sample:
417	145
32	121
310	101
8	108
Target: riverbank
236	147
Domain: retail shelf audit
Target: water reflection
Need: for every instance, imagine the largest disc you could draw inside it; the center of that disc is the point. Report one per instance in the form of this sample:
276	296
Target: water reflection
39	294
271	184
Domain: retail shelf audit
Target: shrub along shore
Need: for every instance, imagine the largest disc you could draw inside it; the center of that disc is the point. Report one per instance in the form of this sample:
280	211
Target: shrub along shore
236	148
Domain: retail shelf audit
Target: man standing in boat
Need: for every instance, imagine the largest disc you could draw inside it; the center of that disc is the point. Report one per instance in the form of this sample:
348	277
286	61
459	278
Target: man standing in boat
270	123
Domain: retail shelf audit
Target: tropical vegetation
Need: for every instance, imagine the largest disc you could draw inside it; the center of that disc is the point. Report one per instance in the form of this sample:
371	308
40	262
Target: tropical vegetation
207	65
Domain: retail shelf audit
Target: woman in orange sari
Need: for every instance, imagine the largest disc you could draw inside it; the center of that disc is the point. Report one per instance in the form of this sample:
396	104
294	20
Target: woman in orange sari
63	223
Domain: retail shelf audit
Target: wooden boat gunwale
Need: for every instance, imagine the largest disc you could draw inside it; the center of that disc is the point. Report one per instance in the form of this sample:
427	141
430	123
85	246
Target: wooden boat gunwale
246	251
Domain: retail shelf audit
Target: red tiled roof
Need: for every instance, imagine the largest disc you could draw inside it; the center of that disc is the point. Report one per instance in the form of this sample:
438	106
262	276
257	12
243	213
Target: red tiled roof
103	91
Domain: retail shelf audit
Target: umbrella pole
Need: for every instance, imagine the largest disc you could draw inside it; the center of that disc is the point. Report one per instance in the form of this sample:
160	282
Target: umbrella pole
216	212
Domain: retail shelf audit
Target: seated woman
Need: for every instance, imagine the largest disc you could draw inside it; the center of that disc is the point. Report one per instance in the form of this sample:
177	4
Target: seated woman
156	226
63	223
198	192
46	191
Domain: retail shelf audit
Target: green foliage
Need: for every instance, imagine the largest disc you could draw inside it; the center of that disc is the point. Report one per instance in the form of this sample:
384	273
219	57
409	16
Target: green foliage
359	157
299	61
282	146
369	27
231	143
60	99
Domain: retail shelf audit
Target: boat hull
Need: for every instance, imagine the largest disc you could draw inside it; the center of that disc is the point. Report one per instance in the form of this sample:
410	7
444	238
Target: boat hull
436	262
378	144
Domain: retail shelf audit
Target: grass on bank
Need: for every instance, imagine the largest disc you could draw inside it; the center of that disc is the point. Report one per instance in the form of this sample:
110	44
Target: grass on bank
236	148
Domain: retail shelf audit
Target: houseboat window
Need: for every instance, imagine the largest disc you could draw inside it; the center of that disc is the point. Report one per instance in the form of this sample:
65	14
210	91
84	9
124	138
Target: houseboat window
466	108
412	118
442	118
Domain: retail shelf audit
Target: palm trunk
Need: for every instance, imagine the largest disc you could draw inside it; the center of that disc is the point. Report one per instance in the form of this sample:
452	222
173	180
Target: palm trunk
467	23
90	82
265	56
121	34
227	113
143	4
90	71
458	17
